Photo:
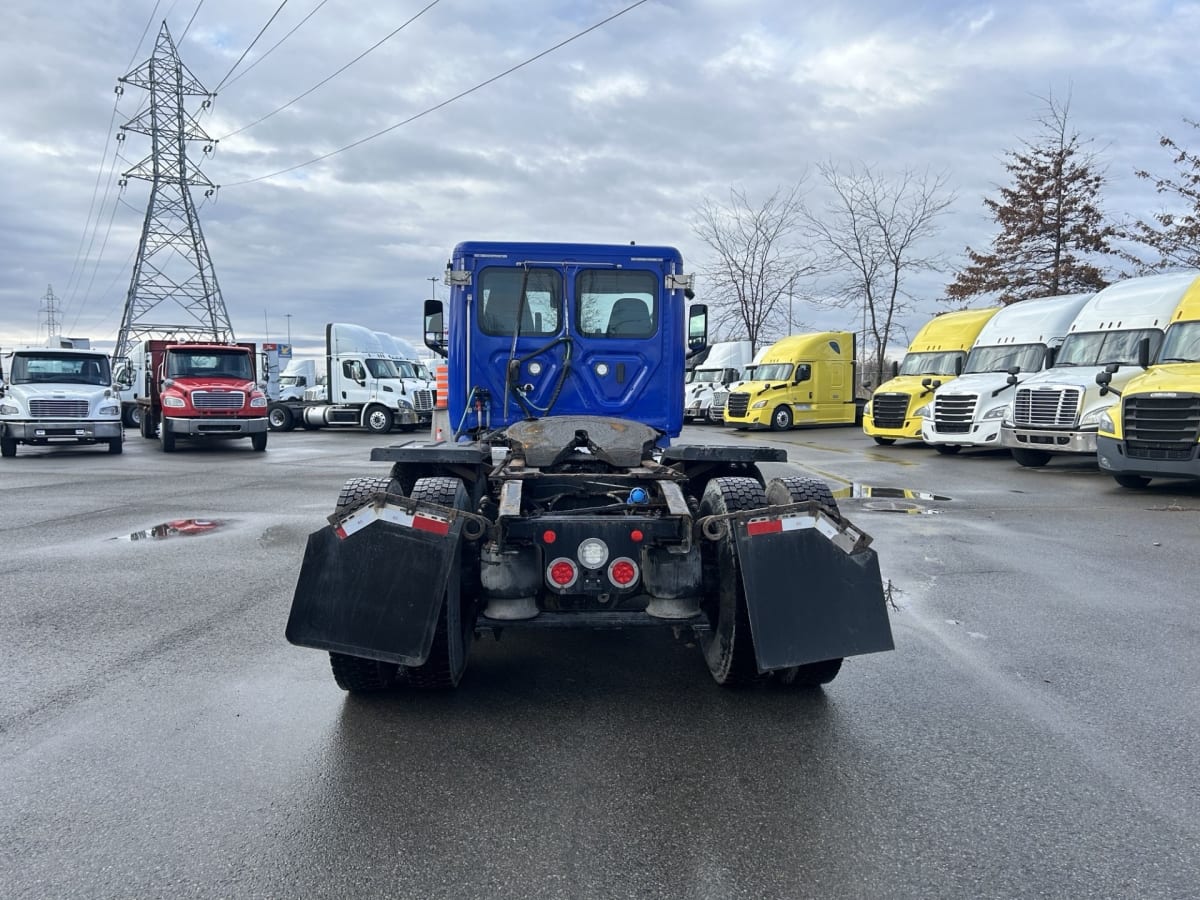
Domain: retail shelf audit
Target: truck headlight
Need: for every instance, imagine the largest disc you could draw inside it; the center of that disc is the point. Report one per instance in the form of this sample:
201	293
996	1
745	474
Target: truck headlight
173	402
867	409
1093	418
1106	422
8	409
997	412
759	405
923	412
110	409
402	404
258	402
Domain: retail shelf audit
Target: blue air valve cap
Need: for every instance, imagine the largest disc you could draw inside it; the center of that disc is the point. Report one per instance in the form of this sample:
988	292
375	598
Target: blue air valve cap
638	495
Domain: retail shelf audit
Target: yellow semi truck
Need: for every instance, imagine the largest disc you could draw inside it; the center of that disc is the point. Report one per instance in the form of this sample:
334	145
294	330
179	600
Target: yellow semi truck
935	356
1154	430
805	379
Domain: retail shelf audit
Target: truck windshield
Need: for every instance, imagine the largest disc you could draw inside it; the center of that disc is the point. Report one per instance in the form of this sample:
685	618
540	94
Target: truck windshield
709	376
1028	357
1099	348
773	372
382	368
208	363
616	303
500	300
939	363
293	380
60	368
1182	343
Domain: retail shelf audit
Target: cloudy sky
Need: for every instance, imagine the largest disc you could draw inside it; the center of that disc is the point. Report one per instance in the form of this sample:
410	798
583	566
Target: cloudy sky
614	137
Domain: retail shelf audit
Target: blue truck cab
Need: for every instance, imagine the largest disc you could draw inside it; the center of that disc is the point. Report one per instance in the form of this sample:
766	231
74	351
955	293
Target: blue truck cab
541	329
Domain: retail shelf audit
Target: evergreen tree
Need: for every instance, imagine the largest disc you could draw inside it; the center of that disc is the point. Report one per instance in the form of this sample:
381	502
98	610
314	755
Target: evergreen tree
1052	227
1173	236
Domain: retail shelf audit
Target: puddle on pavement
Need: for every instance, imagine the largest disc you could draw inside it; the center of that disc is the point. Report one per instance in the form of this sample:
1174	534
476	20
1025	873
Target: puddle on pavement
890	499
174	528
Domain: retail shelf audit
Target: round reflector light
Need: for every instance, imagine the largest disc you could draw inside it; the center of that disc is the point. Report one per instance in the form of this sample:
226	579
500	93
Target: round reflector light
623	572
563	573
593	553
549	536
636	535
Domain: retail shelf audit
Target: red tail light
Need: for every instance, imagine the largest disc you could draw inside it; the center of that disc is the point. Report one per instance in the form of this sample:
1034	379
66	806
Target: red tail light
562	573
622	571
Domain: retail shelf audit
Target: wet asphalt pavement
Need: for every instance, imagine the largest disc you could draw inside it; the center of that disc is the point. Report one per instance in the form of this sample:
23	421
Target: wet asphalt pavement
1033	735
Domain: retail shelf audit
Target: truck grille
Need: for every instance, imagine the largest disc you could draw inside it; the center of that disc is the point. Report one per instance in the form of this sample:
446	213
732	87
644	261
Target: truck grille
1165	428
953	413
737	404
422	400
218	399
1047	407
717	411
73	409
889	410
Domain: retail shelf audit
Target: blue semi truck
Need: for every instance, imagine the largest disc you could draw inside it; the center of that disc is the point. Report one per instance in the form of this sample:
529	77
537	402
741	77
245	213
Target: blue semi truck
557	500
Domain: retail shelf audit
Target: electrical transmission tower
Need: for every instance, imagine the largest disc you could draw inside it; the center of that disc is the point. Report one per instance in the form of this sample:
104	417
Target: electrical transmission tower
173	292
50	312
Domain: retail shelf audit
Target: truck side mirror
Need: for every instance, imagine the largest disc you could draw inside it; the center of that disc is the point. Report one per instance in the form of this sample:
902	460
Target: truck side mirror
958	365
697	336
1143	351
1104	379
1051	357
435	328
895	369
926	382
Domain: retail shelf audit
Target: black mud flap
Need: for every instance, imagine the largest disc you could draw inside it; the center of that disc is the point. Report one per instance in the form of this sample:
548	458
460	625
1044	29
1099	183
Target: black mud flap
813	589
372	585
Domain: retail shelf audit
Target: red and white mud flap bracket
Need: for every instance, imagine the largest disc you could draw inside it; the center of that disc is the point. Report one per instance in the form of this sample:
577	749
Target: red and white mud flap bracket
372	581
812	584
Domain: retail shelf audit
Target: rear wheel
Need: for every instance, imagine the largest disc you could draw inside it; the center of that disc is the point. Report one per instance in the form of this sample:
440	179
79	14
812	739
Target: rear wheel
280	418
8	447
1134	482
146	425
947	449
728	645
363	676
1030	459
781	419
884	442
456	622
358	491
258	441
131	415
165	437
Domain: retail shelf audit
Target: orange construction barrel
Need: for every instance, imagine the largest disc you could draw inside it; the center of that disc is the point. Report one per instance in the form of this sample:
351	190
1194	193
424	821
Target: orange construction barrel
443	386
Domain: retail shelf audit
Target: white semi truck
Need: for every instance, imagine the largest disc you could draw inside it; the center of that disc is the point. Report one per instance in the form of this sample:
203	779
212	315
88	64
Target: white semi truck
363	388
54	396
722	366
1059	410
1020	340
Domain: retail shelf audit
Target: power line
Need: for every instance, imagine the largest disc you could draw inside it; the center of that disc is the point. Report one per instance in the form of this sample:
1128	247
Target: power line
248	68
251	47
335	74
195	13
438	106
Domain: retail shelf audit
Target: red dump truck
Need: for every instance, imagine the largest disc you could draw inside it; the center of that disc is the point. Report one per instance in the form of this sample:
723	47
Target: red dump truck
201	391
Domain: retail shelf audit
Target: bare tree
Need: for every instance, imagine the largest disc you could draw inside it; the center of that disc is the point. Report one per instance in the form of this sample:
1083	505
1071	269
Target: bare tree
1173	234
1052	227
869	235
751	278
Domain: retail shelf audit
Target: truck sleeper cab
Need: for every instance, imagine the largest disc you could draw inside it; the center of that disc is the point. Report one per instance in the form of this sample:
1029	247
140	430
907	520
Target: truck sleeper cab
1153	431
1020	340
804	379
1059	410
56	397
936	356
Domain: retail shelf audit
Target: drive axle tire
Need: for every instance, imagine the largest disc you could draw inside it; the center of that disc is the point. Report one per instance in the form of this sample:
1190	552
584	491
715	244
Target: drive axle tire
947	449
800	489
781	419
146	426
447	660
363	676
728	645
1133	482
811	675
884	442
8	447
357	492
280	418
131	416
1030	459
